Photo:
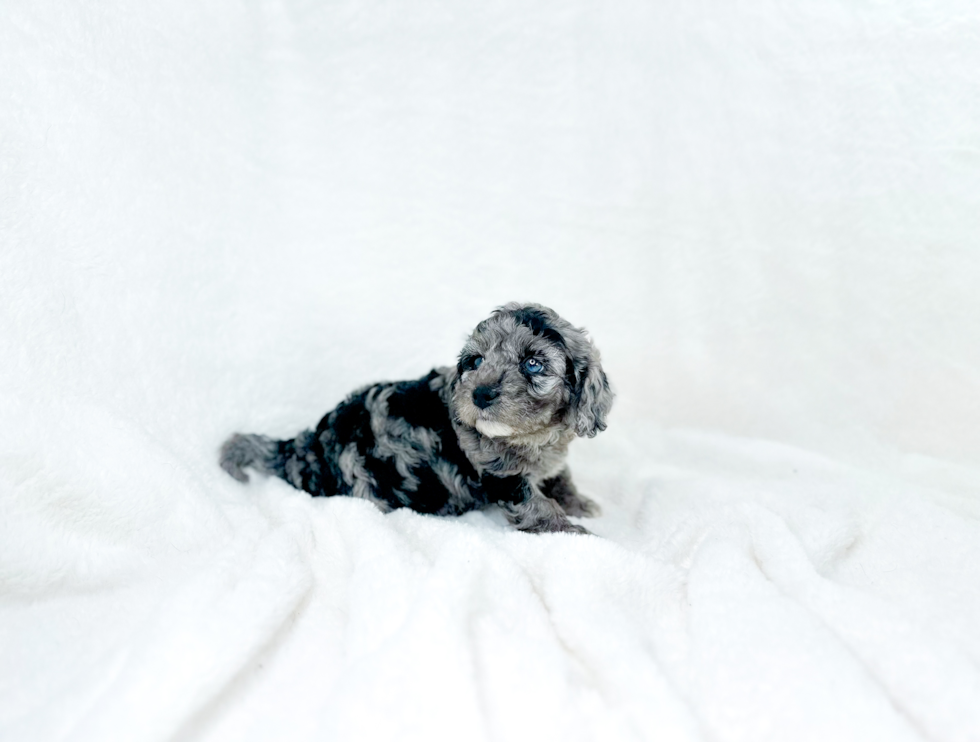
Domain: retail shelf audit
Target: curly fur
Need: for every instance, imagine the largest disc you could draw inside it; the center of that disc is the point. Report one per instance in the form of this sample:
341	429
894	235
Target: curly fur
493	430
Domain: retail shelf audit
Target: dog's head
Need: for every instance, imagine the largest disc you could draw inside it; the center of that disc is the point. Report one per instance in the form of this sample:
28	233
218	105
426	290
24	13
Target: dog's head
525	371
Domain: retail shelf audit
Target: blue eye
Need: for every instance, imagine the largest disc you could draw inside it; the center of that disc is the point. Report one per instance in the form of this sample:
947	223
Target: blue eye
471	362
533	366
477	361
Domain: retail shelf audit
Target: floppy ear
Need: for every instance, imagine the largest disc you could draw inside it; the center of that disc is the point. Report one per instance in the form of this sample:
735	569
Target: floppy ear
592	399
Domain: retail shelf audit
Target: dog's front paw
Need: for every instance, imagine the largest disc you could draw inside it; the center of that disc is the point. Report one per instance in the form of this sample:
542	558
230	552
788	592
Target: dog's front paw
582	507
558	527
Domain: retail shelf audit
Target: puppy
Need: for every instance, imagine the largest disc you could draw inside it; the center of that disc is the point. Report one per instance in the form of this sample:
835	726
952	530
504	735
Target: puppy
493	430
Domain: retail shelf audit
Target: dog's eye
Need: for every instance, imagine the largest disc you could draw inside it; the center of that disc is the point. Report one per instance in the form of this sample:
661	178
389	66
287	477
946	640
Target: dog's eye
472	362
533	366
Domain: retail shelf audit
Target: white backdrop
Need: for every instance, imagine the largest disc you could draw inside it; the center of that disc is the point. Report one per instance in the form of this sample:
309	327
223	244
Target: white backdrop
766	214
219	216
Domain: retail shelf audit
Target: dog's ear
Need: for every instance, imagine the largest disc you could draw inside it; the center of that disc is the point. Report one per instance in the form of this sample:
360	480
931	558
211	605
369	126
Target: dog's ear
592	398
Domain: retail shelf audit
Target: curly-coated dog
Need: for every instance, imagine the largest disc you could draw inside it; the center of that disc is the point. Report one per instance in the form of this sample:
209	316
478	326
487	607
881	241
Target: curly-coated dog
493	430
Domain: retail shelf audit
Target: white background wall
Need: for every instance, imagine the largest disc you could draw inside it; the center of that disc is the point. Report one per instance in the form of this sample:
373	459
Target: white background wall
218	215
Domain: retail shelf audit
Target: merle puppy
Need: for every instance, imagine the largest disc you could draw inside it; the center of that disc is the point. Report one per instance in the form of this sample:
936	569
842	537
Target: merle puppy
493	430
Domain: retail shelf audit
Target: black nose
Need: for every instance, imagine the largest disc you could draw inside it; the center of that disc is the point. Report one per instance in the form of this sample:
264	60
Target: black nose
483	396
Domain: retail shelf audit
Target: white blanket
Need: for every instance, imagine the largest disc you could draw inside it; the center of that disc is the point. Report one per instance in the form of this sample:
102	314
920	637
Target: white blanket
735	590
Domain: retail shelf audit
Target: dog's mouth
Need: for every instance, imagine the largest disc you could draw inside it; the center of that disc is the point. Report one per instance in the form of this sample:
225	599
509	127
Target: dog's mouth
494	429
483	420
488	423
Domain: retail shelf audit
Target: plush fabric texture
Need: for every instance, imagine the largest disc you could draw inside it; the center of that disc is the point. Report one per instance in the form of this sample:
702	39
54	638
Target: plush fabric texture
224	216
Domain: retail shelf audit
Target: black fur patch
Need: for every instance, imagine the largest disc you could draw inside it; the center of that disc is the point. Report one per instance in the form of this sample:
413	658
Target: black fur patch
421	407
431	496
571	378
418	405
388	480
538	323
350	422
513	490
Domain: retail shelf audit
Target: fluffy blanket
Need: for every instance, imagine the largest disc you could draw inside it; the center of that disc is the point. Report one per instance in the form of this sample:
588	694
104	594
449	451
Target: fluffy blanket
735	590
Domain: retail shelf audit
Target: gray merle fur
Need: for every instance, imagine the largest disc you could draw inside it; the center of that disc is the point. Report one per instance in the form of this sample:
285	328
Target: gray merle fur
493	430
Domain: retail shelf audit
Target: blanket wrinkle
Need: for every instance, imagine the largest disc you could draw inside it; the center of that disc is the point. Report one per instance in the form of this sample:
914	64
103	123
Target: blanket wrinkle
197	643
786	564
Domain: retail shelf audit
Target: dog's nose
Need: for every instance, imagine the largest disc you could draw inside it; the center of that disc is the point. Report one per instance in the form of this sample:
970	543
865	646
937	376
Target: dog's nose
483	396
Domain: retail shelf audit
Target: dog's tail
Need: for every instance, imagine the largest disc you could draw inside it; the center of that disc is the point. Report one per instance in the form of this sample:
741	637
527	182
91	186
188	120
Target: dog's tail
257	451
297	460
